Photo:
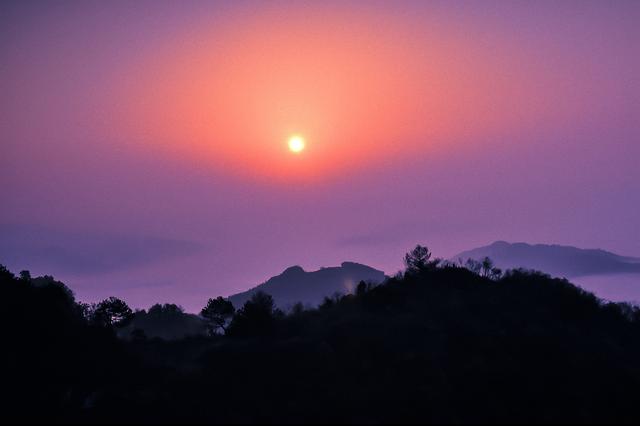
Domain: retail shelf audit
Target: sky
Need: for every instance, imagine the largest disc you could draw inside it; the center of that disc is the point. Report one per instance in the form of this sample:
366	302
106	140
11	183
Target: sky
143	145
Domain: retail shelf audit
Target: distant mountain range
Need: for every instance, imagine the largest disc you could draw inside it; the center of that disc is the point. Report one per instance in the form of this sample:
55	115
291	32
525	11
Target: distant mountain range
556	260
297	285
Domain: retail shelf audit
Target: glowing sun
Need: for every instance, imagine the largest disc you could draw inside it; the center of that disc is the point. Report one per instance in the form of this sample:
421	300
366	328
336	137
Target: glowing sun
296	143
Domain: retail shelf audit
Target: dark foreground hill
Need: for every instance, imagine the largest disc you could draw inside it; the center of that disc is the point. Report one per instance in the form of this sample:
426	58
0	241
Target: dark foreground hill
561	261
168	322
309	288
437	345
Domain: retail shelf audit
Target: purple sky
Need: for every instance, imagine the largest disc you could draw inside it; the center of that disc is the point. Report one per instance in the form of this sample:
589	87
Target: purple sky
87	200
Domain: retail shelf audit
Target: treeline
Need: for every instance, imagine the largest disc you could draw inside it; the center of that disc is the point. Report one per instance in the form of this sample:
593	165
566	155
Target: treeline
438	342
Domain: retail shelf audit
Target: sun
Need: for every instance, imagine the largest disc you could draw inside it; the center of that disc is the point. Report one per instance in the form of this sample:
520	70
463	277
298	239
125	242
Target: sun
296	143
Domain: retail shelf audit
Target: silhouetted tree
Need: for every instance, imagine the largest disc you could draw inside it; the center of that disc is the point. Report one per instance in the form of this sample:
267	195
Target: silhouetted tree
419	259
330	301
87	310
496	273
5	274
489	270
165	310
484	268
297	309
111	312
473	266
362	288
25	275
256	317
217	312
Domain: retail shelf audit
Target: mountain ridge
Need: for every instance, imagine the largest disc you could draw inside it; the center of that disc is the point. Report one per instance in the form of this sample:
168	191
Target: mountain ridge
294	284
554	259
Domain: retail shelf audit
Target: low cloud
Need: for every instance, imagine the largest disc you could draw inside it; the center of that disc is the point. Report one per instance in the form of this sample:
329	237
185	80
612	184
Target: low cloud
85	253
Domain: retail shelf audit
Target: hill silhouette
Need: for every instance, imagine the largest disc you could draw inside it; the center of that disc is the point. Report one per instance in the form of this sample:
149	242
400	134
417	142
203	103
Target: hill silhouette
295	285
438	343
557	260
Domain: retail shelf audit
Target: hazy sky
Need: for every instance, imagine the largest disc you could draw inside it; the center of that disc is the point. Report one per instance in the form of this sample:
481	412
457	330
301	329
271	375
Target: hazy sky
144	143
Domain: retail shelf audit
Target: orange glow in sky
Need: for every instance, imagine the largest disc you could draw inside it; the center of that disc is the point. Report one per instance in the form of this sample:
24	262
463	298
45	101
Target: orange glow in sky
362	86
